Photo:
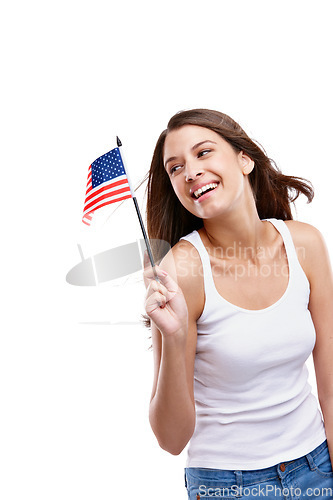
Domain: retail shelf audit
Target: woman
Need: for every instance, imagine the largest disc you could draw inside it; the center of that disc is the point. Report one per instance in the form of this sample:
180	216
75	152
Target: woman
242	299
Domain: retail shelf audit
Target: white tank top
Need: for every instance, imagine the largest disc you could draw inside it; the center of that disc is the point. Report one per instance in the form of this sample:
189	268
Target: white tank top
254	405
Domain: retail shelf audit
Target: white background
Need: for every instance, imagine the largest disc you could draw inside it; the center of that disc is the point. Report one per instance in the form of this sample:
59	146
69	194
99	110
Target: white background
75	368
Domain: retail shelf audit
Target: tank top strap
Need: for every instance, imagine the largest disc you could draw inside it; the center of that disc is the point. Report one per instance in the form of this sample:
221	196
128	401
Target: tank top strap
196	241
297	274
282	228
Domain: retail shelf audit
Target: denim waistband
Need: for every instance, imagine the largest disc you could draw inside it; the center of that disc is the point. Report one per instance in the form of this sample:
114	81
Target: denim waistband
243	477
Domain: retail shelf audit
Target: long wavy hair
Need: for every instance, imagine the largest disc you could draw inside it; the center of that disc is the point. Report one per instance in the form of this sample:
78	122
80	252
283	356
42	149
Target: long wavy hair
274	192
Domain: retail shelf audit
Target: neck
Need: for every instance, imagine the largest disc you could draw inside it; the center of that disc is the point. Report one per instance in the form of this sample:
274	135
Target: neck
236	234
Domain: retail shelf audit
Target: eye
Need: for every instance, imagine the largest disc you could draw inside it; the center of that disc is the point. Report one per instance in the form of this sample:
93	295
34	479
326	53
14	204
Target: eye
203	152
174	169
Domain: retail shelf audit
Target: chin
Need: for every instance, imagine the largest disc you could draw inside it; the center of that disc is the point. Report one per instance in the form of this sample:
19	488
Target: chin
212	211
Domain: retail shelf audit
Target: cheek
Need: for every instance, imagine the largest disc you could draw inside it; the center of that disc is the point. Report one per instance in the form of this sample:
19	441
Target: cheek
178	189
182	196
232	176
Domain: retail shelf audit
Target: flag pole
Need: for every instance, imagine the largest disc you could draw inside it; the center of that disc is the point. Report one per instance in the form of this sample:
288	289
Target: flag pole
150	254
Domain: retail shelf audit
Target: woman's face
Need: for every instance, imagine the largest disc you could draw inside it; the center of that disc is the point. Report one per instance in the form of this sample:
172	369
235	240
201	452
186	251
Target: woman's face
207	175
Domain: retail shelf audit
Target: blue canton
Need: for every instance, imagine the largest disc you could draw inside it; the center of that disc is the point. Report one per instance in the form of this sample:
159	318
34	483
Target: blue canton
107	167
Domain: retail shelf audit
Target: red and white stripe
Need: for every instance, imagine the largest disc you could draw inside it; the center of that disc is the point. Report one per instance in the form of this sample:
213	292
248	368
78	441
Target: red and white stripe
106	193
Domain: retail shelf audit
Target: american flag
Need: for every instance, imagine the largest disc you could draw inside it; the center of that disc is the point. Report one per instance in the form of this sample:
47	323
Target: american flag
107	183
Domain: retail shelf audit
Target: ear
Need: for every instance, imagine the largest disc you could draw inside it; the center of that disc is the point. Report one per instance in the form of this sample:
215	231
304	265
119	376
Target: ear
246	162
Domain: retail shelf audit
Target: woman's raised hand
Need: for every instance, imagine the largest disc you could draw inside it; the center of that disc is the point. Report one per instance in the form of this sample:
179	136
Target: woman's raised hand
165	303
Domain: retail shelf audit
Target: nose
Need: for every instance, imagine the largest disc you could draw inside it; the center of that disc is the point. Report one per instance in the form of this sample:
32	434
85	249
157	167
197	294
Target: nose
191	173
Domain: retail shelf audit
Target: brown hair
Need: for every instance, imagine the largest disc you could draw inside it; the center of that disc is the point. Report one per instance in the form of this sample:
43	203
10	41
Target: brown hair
273	192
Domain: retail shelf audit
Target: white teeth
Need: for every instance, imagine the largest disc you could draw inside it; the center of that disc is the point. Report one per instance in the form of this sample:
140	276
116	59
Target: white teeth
198	193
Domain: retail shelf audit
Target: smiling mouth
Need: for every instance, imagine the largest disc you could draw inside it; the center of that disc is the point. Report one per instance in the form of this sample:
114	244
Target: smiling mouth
205	189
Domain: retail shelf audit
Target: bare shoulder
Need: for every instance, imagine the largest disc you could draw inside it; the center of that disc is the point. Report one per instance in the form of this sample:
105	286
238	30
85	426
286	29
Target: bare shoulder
184	265
302	229
305	235
310	245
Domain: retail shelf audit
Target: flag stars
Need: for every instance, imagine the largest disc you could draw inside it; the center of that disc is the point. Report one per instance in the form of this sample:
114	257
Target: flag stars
106	167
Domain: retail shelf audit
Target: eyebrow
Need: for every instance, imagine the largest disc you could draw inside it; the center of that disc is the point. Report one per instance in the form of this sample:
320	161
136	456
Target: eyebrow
172	158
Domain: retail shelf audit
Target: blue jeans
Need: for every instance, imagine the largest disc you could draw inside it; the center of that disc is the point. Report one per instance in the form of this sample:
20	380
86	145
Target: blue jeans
310	476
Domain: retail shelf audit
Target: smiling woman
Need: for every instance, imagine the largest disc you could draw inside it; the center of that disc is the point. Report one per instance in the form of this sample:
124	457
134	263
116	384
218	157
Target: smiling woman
207	171
242	300
167	218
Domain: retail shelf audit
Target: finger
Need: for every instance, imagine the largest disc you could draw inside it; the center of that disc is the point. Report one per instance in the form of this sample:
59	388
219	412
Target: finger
155	286
153	274
155	301
166	280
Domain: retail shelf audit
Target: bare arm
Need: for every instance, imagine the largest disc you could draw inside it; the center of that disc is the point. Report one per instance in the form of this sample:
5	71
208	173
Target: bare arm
319	272
172	410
